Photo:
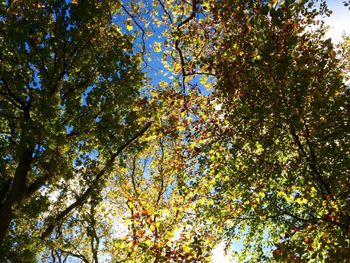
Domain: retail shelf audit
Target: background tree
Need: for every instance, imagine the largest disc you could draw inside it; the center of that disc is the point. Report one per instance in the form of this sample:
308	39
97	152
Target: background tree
68	77
277	155
142	214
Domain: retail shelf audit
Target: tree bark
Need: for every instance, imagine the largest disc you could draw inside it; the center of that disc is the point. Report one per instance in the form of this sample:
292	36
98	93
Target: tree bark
18	186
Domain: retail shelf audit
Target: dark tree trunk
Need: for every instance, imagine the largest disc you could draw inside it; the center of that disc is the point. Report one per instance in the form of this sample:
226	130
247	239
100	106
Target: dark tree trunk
18	187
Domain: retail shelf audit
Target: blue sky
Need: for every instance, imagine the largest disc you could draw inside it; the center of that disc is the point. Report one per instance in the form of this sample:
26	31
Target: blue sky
339	21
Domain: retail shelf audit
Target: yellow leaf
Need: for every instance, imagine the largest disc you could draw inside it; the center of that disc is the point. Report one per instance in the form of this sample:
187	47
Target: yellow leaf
128	24
177	67
148	243
131	205
157	47
203	80
262	194
273	3
302	201
229	222
169	235
205	5
257	57
122	245
186	248
129	27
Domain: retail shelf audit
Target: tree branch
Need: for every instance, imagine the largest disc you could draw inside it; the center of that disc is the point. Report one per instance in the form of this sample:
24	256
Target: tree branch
139	26
81	199
312	165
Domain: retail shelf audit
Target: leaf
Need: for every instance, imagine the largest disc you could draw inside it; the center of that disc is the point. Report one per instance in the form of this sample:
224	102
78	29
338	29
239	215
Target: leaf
148	242
157	47
128	24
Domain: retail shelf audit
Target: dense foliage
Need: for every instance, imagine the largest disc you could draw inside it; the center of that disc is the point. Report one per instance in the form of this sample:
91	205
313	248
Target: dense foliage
68	78
240	133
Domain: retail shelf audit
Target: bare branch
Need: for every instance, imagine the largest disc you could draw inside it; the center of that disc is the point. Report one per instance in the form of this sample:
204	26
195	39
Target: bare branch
143	32
165	11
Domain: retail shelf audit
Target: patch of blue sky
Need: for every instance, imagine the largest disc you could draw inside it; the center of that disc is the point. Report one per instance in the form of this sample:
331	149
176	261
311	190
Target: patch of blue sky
85	95
153	67
338	21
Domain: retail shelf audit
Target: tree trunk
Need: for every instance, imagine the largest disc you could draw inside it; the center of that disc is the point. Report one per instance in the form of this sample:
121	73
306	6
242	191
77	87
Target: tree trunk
18	187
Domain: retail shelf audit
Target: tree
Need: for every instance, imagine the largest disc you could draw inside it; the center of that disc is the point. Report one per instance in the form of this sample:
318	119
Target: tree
277	157
141	214
247	139
68	78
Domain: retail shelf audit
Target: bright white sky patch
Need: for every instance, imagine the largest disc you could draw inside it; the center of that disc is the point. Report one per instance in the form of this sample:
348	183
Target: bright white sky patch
219	255
339	21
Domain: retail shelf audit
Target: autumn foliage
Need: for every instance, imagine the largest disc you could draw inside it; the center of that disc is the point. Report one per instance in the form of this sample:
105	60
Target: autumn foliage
152	131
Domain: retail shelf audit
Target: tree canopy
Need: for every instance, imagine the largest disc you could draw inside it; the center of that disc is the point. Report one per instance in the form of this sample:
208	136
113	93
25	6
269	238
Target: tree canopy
152	131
